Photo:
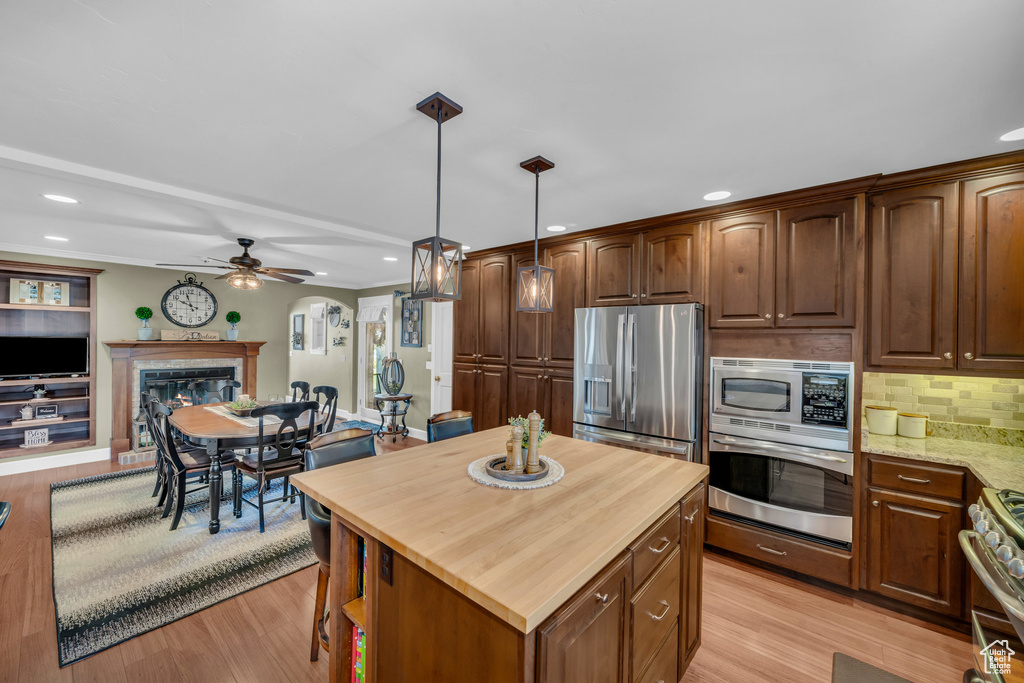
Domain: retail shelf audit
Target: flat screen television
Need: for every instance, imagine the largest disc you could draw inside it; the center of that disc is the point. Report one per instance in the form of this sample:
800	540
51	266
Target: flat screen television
43	356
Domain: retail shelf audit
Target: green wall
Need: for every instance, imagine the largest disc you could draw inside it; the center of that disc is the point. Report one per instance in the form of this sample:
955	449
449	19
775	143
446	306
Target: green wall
338	367
122	289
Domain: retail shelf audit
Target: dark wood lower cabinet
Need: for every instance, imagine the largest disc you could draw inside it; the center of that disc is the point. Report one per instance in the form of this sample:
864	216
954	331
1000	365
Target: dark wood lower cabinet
546	390
482	390
691	546
588	640
912	550
560	402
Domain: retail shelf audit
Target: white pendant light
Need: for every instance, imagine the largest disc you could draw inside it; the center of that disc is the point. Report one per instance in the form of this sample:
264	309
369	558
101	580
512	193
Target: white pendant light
536	288
437	262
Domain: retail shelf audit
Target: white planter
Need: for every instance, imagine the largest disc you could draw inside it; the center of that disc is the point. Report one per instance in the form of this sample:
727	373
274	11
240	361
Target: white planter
232	335
145	333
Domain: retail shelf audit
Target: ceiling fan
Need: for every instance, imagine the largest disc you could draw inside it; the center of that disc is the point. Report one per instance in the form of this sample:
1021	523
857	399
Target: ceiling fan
244	269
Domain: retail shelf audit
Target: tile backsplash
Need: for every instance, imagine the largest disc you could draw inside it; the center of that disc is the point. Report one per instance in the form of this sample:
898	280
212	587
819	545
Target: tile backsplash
953	404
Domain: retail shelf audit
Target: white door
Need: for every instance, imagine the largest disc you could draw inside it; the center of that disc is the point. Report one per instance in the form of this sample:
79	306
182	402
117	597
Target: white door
441	340
375	345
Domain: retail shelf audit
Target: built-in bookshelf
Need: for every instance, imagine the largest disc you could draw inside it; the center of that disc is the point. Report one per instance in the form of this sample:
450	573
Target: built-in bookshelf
74	397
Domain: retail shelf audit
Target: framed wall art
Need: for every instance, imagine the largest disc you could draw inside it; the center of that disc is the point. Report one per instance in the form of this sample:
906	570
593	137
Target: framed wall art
412	323
297	322
40	292
318	329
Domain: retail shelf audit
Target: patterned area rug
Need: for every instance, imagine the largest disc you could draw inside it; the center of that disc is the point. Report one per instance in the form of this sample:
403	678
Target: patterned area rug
356	424
119	572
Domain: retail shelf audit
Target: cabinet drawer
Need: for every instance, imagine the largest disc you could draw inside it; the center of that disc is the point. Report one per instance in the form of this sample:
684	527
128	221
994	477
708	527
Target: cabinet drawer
922	478
657	543
663	666
823	562
655	609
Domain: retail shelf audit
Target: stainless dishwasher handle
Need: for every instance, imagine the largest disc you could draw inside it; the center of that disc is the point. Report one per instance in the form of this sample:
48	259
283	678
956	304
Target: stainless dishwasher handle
913	480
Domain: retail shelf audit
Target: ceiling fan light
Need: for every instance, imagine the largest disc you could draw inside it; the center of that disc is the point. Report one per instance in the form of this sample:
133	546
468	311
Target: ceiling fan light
244	280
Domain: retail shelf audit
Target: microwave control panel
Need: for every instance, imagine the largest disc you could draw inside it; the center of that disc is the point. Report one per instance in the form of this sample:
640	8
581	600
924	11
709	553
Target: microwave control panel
825	400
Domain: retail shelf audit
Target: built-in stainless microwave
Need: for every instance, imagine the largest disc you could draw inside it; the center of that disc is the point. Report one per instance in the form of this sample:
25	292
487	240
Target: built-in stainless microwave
805	403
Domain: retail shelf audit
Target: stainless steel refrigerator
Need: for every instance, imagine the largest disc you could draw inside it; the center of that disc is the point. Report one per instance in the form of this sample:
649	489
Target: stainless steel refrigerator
638	377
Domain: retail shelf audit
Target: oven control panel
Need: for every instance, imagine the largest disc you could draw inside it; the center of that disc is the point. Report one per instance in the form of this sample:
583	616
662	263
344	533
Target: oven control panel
824	400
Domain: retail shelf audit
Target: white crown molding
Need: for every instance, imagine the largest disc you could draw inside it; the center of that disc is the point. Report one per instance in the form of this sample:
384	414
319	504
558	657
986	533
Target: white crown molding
38	163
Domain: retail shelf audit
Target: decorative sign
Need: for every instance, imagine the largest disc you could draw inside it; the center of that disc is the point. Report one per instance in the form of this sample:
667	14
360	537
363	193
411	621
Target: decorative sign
46	411
40	292
412	322
37	437
318	329
189	335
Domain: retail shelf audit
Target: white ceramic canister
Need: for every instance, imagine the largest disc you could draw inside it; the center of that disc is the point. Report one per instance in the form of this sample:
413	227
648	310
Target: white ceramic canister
881	420
913	425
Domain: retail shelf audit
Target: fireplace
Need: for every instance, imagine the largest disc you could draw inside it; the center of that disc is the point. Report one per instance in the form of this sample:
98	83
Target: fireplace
171	386
180	361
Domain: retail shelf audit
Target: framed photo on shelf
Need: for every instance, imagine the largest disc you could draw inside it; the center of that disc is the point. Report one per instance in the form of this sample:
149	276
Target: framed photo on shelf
49	410
412	322
40	292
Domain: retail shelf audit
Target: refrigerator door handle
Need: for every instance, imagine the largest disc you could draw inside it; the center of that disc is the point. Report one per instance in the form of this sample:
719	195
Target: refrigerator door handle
620	362
632	366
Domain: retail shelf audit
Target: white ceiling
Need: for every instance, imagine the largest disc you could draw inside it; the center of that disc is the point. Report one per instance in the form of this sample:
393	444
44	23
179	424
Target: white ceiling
184	125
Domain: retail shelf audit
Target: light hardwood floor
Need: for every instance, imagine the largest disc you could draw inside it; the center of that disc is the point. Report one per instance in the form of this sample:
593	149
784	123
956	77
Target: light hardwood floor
757	626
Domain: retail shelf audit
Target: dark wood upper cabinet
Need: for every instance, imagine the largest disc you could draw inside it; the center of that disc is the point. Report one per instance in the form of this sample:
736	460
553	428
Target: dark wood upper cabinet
670	267
911	277
912	553
587	641
742	288
815	265
495	281
466	315
992	274
613	271
570	264
526	332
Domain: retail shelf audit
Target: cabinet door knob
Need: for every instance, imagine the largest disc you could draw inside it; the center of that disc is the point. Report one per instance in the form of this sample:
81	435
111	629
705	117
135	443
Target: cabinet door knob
782	315
540	376
603	599
689	519
644	295
767	316
875	503
969	355
947	355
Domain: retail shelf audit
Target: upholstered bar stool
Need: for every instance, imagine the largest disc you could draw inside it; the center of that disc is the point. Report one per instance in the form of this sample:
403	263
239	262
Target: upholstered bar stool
449	425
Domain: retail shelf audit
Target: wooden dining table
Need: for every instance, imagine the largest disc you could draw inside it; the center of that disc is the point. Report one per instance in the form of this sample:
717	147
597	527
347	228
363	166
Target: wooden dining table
219	434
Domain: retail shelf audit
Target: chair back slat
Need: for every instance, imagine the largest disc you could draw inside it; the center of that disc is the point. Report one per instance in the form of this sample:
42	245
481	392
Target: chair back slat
213	391
289	435
328	406
300	391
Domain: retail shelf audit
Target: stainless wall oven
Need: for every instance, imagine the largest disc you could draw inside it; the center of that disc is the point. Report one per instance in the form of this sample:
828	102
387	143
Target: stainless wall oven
798	490
806	403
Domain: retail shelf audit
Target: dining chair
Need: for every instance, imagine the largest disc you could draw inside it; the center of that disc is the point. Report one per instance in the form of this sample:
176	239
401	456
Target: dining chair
5	511
161	464
277	460
328	406
300	391
449	425
182	466
330	448
213	391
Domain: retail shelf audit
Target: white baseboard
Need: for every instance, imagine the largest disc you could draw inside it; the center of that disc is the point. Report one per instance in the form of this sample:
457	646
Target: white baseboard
420	434
47	462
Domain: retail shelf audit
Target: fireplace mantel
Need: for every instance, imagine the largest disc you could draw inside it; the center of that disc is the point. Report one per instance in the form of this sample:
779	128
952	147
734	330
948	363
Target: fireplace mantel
125	352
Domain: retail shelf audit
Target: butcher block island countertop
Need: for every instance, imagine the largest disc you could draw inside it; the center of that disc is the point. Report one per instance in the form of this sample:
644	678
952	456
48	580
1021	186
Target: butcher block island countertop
519	554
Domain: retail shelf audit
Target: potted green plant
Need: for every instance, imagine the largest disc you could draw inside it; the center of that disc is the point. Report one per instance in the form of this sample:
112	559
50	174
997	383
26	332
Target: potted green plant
233	318
144	313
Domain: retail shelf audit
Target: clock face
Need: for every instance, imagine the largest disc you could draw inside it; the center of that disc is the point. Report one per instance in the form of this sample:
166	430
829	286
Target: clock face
189	305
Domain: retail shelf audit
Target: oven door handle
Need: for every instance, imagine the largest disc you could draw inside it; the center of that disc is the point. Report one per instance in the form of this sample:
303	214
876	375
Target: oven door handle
1011	603
766	449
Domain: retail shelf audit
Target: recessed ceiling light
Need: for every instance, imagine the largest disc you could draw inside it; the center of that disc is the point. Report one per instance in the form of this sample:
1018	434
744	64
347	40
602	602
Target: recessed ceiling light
466	247
715	196
556	228
1013	135
61	198
56	239
320	273
390	258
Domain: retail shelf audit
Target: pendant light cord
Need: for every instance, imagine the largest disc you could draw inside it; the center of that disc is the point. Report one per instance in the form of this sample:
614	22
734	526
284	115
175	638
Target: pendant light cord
536	216
438	223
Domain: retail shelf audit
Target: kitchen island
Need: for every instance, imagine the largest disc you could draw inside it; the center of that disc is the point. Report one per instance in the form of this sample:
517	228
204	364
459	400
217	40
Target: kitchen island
596	578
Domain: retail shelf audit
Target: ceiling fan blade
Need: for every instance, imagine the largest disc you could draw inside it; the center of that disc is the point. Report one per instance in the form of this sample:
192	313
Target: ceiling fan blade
224	276
278	276
290	271
194	265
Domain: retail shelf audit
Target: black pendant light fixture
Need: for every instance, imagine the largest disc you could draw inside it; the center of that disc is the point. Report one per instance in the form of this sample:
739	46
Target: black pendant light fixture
536	290
437	262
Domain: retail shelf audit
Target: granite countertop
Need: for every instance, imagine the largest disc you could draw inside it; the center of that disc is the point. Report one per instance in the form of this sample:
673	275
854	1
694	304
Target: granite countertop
995	465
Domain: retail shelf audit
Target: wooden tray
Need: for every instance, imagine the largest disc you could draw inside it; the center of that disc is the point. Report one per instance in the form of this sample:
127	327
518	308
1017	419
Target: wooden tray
496	468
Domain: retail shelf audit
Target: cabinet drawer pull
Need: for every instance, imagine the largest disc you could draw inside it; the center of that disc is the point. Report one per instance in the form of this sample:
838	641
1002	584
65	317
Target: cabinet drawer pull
913	480
663	548
603	599
771	550
659	617
875	503
689	519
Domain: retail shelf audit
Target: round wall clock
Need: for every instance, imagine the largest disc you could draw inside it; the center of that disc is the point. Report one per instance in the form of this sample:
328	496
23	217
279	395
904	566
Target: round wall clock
189	304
